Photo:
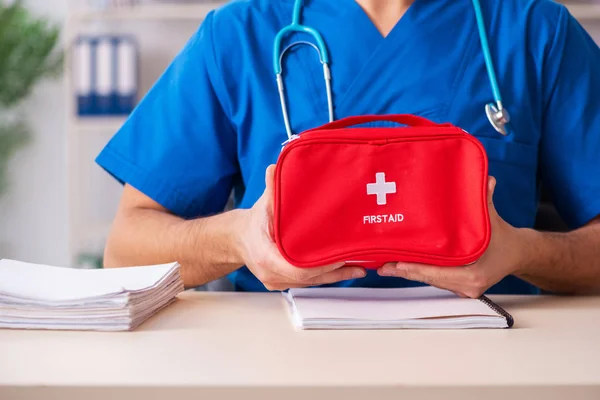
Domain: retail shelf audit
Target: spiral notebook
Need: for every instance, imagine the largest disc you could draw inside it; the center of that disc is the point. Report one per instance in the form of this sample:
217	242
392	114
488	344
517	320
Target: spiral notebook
404	308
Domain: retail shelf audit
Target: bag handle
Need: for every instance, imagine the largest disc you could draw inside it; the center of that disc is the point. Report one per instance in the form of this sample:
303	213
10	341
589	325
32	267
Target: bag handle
404	119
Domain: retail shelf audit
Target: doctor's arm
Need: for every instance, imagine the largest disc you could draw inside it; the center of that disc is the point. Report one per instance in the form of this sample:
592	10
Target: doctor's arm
145	233
564	262
209	248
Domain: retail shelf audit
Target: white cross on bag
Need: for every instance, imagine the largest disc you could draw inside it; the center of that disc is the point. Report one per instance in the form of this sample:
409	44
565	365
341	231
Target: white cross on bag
381	188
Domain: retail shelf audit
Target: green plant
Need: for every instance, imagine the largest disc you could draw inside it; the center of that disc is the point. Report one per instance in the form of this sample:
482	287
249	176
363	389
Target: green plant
27	55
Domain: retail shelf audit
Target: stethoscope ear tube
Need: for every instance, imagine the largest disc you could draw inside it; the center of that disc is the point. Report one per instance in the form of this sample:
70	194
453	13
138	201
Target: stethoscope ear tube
281	85
297	27
327	76
284	110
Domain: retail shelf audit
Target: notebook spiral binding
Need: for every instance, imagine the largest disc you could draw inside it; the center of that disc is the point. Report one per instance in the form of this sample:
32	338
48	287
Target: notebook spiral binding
509	319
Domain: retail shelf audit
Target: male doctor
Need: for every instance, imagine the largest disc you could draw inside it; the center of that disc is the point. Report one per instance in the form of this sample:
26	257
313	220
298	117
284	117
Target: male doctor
212	124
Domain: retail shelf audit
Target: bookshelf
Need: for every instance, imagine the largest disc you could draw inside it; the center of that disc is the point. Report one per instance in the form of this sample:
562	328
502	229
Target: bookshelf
581	10
98	124
150	12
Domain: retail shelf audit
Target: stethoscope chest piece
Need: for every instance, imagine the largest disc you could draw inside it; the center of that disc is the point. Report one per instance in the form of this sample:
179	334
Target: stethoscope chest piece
498	117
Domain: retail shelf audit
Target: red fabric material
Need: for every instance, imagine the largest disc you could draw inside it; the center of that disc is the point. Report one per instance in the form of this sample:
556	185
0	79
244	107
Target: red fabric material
436	214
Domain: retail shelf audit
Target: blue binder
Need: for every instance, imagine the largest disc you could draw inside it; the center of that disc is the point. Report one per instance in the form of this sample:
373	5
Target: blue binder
83	67
127	77
104	75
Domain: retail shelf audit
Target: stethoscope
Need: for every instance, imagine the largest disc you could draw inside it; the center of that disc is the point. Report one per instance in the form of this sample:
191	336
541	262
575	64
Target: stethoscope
496	113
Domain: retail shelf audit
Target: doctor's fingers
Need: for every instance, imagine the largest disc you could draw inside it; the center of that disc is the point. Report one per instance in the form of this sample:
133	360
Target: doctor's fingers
310	275
270	267
339	275
280	266
277	274
469	281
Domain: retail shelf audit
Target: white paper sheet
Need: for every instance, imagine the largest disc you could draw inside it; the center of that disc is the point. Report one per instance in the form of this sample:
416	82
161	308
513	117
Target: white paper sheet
55	284
34	296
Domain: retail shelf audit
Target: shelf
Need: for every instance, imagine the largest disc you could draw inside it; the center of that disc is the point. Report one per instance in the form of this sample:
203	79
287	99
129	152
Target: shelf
174	12
584	12
98	124
197	12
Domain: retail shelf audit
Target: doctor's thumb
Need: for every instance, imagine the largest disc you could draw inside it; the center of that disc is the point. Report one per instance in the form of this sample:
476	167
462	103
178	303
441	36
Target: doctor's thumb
270	178
265	203
490	191
268	194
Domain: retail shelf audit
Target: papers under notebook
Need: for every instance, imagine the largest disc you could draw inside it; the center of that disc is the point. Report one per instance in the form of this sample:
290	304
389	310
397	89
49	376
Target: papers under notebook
34	296
407	308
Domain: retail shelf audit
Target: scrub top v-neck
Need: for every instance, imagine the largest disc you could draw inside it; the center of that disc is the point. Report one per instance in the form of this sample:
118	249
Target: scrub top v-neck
212	123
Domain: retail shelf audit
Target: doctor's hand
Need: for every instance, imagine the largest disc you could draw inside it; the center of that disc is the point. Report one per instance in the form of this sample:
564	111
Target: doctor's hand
506	251
261	255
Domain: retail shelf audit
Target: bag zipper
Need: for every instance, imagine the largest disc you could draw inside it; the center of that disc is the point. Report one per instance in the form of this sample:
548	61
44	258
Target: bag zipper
365	140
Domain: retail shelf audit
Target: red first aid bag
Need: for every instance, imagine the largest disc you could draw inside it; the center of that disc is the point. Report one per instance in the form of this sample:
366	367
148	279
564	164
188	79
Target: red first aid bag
371	195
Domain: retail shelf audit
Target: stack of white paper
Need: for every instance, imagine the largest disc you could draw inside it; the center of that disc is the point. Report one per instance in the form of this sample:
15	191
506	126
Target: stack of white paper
43	297
416	308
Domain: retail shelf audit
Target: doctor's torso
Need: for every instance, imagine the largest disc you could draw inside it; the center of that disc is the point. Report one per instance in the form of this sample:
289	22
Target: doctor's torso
213	121
430	64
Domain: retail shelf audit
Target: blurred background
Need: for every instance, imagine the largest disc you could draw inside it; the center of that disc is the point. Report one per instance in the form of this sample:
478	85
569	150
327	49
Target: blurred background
70	73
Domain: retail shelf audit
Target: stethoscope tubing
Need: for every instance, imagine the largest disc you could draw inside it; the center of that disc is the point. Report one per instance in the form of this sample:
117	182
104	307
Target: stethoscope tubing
498	116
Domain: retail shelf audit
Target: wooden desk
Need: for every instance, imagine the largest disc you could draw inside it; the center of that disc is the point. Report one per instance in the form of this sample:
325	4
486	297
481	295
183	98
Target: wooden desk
242	346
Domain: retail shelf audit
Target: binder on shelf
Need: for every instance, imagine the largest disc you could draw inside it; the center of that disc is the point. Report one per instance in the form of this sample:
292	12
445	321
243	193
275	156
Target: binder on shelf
83	58
107	75
127	80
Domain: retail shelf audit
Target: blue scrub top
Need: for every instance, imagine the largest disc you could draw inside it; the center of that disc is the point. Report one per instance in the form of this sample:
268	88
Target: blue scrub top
212	122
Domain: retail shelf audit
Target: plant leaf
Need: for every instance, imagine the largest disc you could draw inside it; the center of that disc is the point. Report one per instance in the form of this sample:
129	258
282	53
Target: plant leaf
27	52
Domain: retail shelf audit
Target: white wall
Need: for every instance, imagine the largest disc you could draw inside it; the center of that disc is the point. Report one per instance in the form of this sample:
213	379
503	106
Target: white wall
34	212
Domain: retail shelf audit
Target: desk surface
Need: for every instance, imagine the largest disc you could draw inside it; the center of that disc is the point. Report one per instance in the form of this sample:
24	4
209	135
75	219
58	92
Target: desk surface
235	345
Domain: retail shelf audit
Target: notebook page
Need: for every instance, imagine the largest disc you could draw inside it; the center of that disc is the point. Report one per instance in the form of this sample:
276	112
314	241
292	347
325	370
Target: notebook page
384	304
54	284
